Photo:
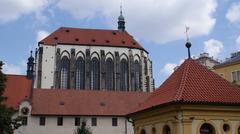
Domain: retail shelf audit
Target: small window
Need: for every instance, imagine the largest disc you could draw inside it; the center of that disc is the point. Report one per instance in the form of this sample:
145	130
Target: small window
42	121
60	121
94	121
77	121
114	121
24	121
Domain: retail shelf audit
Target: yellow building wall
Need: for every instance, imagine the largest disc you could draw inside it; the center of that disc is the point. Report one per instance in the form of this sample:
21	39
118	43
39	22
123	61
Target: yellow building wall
226	71
187	119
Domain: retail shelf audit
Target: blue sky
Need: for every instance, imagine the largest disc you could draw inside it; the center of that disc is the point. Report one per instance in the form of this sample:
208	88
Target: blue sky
158	25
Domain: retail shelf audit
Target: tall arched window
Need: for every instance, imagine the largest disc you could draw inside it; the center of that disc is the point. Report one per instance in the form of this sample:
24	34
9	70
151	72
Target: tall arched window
136	75
80	73
109	74
124	75
64	83
95	74
207	129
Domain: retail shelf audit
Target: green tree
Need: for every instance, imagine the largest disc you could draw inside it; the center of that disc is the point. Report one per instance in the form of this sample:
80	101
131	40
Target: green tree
83	129
7	124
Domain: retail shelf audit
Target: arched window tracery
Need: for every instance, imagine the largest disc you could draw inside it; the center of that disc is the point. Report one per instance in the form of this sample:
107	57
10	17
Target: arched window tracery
64	73
109	74
95	75
80	73
124	75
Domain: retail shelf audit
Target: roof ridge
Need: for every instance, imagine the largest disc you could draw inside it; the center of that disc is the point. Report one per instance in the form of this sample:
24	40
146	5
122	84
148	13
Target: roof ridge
181	88
97	29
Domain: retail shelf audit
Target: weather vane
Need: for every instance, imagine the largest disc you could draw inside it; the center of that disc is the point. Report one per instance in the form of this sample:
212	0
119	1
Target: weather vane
188	44
187	33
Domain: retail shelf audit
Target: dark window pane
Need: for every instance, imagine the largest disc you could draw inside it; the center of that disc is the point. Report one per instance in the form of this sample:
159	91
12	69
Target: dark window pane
60	121
206	129
109	74
42	121
166	130
124	75
80	73
95	74
77	121
114	121
136	76
94	121
64	72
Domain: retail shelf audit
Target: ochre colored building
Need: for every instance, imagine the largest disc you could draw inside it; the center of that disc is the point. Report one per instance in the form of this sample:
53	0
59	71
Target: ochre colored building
193	100
230	69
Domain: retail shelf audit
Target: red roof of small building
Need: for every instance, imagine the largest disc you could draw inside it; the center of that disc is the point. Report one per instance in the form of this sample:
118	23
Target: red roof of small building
193	83
85	102
91	37
17	89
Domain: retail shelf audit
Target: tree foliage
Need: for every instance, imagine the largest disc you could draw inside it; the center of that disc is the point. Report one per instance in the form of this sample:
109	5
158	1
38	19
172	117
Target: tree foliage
7	124
83	129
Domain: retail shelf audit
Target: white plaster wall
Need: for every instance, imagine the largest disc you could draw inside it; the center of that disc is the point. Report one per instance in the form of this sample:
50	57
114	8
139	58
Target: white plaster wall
104	126
48	66
49	59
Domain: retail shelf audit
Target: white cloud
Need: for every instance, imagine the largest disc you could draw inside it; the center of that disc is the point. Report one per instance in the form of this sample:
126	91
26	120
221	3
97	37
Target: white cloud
153	20
233	13
238	42
11	10
213	47
41	34
168	68
13	69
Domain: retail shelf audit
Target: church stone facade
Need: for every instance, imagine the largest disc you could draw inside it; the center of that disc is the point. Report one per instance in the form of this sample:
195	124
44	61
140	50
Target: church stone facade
118	64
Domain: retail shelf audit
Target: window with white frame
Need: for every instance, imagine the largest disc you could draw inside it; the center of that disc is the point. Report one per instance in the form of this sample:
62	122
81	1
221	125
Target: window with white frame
236	75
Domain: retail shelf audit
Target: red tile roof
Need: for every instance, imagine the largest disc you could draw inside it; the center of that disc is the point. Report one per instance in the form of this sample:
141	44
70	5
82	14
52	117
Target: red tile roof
193	83
93	37
17	89
79	102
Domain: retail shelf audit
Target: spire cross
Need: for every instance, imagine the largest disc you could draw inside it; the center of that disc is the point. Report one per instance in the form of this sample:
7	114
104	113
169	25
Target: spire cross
187	33
121	8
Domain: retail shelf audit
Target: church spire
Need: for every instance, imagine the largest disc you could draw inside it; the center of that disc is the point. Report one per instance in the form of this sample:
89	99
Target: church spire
30	67
121	21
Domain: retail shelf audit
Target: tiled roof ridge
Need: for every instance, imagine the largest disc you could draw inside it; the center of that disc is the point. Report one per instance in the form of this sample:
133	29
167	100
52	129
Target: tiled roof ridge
88	28
178	96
